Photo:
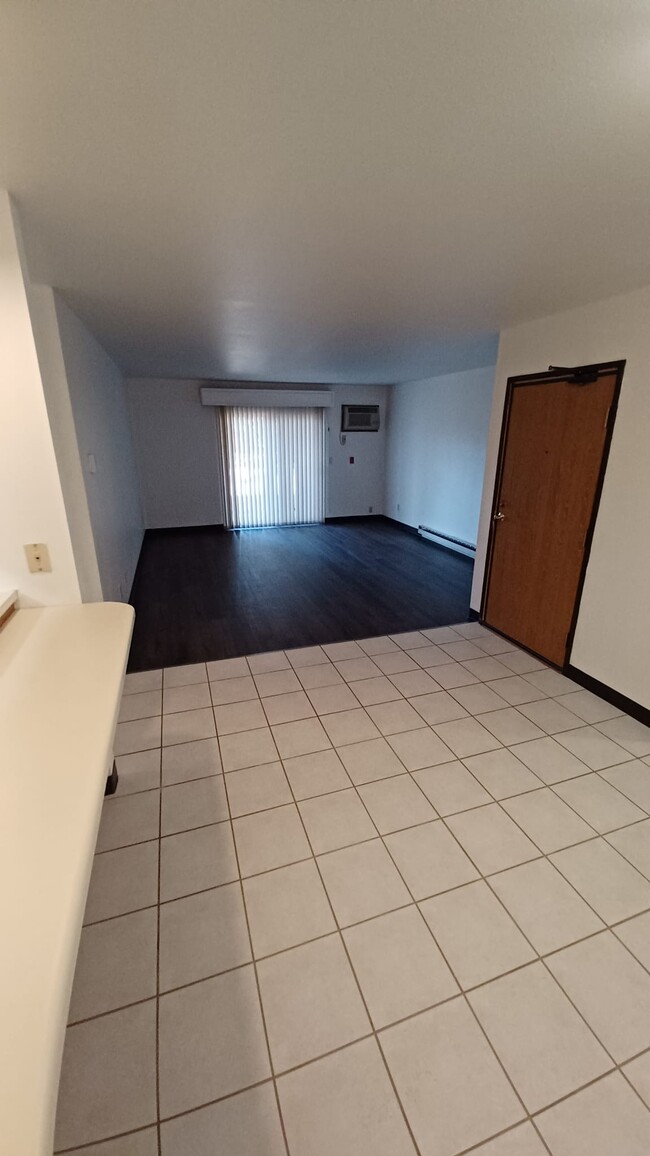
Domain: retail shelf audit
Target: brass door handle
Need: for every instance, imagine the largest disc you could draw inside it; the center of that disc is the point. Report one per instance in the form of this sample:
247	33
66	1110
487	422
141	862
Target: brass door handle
498	517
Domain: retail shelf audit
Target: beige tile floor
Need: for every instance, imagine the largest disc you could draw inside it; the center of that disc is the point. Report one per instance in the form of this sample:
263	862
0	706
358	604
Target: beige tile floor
382	897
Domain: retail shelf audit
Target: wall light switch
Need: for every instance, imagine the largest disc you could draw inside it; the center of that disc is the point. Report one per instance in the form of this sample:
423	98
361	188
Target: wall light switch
92	464
38	557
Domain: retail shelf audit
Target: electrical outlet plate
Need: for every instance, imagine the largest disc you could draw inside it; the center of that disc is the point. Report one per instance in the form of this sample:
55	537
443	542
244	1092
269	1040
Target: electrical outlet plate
38	557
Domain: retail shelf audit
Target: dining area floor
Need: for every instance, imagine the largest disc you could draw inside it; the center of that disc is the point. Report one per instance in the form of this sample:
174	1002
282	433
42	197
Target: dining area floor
384	896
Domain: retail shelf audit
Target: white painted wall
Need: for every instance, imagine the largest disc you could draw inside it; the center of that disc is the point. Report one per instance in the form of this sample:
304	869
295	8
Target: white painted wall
437	437
612	639
177	453
32	506
86	407
178	460
45	327
353	489
103	429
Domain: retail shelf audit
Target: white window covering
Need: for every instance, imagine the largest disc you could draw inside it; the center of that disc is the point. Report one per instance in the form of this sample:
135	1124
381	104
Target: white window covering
274	465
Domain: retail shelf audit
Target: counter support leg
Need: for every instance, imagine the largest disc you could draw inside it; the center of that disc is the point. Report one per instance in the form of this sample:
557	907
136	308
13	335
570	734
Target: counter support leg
112	781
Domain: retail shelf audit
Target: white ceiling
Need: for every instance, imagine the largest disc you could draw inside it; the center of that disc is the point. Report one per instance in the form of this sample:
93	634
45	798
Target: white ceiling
325	190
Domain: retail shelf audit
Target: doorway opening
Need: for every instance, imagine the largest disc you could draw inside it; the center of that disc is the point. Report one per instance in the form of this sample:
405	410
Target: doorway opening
555	439
273	466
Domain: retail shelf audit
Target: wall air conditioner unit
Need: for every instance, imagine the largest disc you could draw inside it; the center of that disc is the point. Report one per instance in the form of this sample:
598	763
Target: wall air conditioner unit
359	418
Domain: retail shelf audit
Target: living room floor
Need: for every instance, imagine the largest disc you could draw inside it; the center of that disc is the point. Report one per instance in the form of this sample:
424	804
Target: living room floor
206	593
381	897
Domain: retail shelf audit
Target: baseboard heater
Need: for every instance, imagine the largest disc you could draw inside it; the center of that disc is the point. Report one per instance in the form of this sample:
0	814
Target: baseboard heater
455	542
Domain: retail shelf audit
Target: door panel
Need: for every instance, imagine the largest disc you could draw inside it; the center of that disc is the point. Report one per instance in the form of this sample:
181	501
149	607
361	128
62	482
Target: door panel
554	444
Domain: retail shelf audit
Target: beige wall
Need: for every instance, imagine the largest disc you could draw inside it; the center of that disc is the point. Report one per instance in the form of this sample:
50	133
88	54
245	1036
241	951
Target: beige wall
178	455
612	639
437	434
102	433
31	498
42	309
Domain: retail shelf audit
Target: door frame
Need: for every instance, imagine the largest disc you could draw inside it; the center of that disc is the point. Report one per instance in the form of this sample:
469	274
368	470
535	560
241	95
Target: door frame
602	368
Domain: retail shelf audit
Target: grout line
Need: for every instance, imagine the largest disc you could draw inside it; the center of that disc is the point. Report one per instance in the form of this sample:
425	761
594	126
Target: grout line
255	970
269	1079
158	1135
85	1147
111	1011
542	960
334	1051
553	851
355	787
645	874
506	1132
493	799
354	974
608	928
462	994
450	815
620	789
529	1116
315	939
539	956
433	895
349	1044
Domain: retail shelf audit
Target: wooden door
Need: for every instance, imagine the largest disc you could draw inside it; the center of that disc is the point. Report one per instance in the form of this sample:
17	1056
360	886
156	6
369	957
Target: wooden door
554	443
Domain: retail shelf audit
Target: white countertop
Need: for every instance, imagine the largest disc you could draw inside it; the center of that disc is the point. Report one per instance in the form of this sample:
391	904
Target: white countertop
61	673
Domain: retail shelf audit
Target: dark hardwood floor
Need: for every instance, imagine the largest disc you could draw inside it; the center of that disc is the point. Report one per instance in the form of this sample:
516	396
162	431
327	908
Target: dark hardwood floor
207	593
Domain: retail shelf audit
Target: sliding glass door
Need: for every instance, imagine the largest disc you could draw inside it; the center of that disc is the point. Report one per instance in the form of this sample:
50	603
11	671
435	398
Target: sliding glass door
273	465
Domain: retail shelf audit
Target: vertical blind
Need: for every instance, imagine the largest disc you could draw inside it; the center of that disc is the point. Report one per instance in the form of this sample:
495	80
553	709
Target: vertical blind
274	465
